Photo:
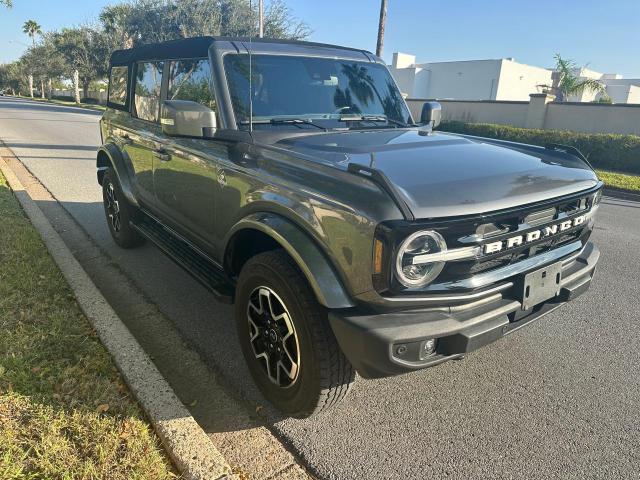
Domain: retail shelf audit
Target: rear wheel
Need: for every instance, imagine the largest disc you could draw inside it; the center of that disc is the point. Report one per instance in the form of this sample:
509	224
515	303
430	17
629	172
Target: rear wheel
119	213
286	339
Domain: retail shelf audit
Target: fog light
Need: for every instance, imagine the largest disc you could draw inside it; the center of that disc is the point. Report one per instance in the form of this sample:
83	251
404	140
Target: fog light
428	347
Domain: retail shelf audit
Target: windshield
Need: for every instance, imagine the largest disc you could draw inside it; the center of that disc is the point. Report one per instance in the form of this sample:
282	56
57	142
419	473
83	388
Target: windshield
326	91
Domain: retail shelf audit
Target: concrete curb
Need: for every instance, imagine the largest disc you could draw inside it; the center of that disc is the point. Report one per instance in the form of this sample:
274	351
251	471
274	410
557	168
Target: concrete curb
189	447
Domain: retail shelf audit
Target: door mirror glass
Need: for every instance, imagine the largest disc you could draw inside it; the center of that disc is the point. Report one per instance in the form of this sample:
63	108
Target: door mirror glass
188	119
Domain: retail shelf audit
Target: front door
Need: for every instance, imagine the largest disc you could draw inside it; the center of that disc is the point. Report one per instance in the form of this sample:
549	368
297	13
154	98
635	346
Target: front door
144	139
186	174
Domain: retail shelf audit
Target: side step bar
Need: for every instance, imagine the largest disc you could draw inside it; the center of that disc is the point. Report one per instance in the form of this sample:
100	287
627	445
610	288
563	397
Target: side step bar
188	257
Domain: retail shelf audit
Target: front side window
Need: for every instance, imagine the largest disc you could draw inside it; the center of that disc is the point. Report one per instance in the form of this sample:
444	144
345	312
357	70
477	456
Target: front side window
318	89
118	85
191	80
147	92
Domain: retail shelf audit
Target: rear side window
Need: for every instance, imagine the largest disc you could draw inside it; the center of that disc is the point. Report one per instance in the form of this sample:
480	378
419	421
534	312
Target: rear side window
147	91
191	80
118	82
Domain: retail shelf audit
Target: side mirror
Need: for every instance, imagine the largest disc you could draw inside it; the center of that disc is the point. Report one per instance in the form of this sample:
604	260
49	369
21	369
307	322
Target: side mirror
188	119
431	114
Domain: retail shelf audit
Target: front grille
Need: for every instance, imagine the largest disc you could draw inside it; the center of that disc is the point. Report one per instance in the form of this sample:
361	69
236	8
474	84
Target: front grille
507	227
494	228
452	270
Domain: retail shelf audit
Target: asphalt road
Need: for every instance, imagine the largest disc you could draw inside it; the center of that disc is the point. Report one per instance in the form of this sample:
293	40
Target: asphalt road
559	399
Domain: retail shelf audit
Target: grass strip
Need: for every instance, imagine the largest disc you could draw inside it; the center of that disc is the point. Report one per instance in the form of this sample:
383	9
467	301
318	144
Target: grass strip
620	180
65	411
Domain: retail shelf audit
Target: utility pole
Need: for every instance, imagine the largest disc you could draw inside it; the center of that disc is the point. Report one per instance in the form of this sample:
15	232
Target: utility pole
383	20
261	15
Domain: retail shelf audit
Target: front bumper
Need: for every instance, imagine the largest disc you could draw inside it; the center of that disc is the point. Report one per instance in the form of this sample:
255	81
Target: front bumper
385	344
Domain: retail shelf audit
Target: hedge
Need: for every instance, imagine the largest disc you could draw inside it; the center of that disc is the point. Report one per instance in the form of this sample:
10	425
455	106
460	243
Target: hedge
605	151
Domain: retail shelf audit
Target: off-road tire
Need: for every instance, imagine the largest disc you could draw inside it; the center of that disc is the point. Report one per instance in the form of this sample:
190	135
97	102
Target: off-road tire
122	232
325	375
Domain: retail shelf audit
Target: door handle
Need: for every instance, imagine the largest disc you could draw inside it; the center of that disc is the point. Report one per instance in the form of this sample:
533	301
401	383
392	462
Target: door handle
126	139
162	154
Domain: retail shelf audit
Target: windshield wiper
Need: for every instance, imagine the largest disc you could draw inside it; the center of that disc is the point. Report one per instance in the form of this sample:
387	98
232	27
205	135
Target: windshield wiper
285	121
372	118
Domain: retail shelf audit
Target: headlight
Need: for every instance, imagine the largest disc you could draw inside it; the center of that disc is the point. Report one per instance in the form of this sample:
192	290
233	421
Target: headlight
411	271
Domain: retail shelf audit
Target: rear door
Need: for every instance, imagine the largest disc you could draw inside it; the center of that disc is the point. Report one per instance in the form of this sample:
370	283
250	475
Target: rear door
186	181
143	141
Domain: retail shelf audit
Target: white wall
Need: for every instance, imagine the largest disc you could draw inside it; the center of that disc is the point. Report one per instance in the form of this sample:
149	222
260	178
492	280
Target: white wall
99	95
593	118
503	113
577	117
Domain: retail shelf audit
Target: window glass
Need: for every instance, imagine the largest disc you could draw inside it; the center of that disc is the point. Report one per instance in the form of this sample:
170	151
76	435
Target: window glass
323	89
147	93
118	85
190	80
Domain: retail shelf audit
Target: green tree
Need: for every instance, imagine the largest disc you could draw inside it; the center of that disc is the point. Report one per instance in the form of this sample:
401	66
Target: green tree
6	3
115	20
45	62
13	77
32	28
86	54
149	21
569	83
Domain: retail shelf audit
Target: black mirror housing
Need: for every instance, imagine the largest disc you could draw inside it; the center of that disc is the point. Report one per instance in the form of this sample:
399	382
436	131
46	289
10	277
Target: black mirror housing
431	114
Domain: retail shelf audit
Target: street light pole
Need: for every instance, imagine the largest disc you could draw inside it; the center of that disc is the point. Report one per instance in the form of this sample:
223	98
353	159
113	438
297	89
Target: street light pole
383	21
261	14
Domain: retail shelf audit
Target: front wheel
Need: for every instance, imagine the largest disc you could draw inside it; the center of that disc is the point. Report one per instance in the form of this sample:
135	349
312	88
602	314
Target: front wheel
286	339
119	213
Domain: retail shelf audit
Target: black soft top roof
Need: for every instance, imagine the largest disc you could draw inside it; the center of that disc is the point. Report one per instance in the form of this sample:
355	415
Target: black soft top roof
199	47
188	47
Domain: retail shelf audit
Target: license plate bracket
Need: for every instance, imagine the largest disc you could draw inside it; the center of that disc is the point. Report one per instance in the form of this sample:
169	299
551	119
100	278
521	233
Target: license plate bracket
541	285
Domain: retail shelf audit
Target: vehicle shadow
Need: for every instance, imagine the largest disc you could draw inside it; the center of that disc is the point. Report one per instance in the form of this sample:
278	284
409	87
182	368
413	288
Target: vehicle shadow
190	337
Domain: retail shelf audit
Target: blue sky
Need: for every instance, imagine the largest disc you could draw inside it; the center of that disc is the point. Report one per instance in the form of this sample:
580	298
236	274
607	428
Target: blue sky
604	34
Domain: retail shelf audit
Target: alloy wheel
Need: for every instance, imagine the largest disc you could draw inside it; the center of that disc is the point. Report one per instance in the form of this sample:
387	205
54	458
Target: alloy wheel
273	336
113	208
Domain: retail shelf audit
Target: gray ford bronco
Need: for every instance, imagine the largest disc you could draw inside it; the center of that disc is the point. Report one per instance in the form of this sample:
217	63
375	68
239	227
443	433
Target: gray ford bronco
290	179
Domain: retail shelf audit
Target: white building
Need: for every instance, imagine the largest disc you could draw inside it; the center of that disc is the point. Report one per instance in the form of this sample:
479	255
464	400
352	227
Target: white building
620	90
500	79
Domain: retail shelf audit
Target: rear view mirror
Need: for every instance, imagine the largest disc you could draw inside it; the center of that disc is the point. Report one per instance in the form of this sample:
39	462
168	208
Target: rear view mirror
188	119
431	114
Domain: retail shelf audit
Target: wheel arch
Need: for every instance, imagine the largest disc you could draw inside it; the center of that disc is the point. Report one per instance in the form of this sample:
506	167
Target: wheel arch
109	156
278	232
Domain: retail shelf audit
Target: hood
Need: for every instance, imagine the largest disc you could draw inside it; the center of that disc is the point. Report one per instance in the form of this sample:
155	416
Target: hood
442	175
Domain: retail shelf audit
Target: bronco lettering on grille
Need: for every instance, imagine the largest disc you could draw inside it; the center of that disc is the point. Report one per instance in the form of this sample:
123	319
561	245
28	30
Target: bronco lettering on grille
533	235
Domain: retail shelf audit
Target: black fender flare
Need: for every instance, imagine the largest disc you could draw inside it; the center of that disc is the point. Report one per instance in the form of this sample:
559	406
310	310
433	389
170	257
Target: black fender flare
313	263
115	158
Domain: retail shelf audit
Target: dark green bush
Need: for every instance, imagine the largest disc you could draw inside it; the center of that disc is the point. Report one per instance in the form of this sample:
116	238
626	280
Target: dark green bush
604	150
91	101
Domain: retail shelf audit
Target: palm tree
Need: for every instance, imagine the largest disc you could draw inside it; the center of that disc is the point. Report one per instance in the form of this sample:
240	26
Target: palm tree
6	3
32	28
568	83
